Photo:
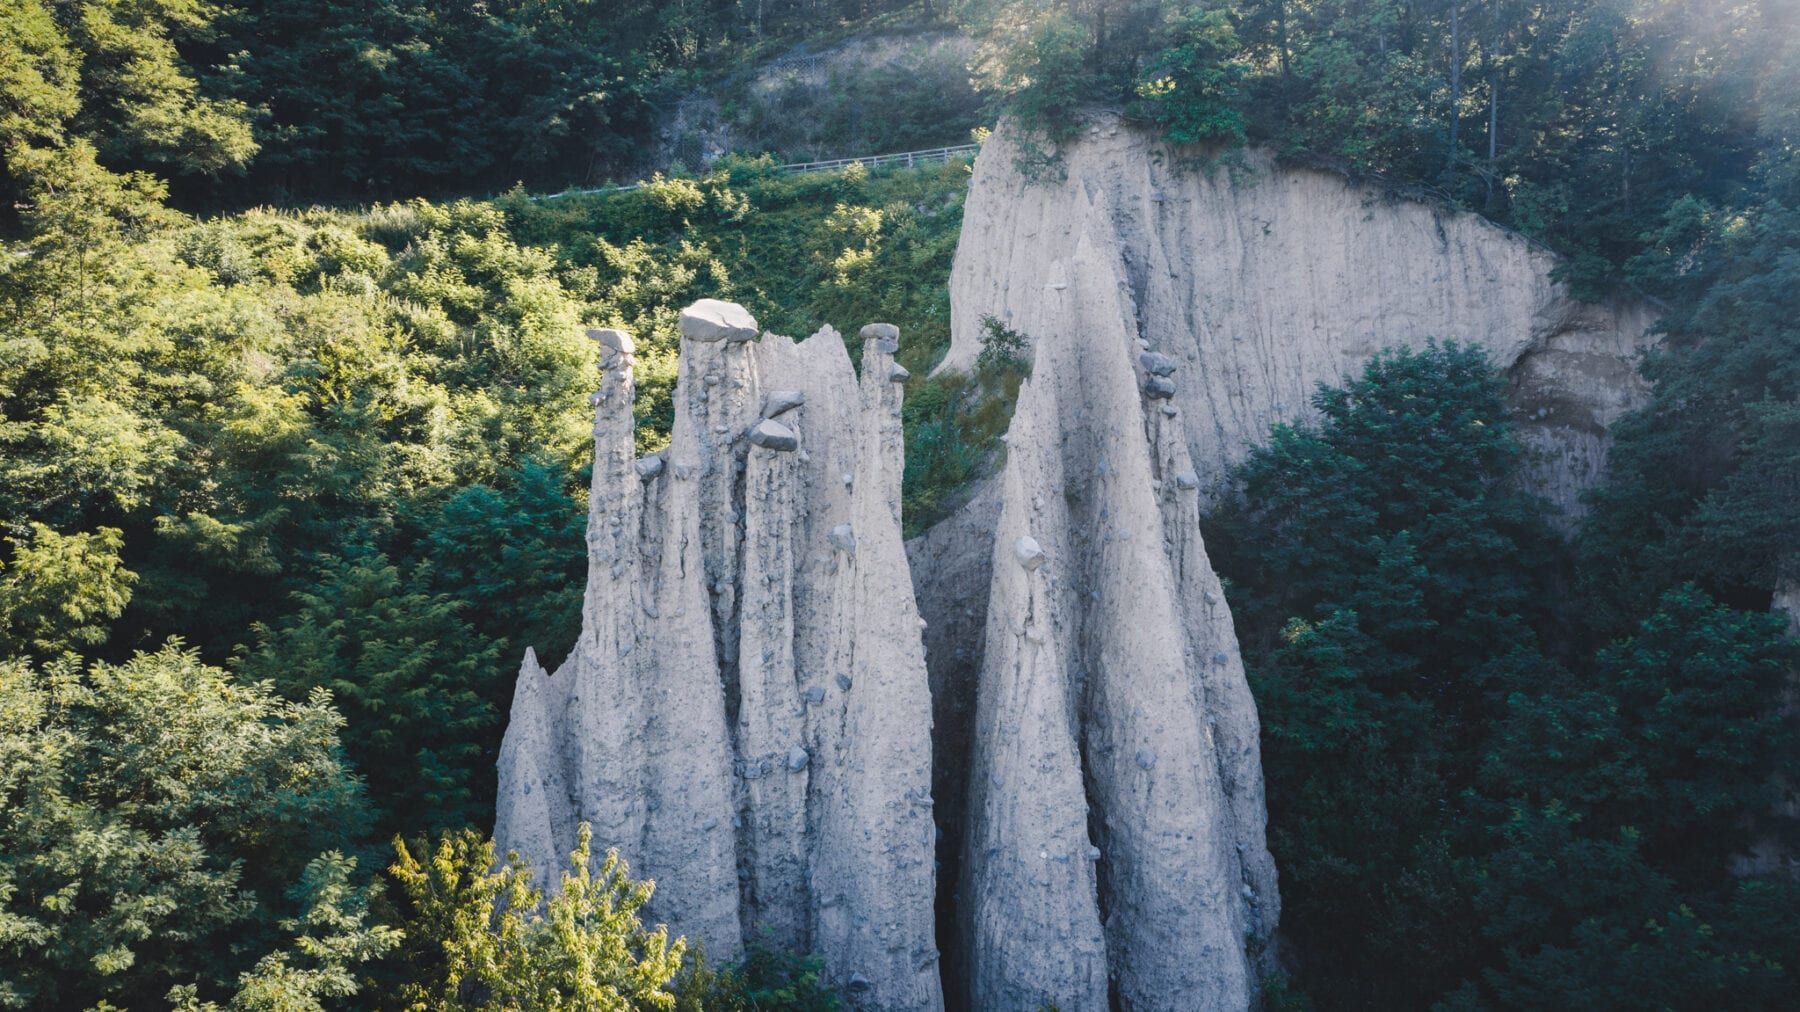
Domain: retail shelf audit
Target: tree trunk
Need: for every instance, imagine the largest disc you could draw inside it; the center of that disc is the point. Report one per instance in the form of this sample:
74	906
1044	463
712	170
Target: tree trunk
1493	63
1455	79
1282	33
1493	132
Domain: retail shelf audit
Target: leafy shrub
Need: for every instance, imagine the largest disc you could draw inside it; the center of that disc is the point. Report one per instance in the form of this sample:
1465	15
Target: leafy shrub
1003	349
1034	59
1192	87
481	936
767	978
158	821
954	423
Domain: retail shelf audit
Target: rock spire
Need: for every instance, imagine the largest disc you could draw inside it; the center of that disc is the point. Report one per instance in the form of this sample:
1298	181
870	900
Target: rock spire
745	715
1262	280
1113	841
1096	746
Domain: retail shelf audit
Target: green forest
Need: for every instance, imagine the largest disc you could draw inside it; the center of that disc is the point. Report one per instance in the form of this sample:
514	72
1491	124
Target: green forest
294	447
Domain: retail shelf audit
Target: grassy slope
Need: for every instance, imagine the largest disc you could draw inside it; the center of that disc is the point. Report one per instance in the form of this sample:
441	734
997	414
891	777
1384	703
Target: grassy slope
842	248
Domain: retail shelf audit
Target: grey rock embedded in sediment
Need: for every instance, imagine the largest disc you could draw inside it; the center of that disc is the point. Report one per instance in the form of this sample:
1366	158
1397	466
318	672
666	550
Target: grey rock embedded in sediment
843	538
883	337
1028	552
780	402
1157	364
613	340
772	435
712	320
1159	388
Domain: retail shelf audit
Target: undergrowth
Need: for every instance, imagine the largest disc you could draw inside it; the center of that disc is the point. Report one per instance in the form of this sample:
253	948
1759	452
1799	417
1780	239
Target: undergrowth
844	248
954	422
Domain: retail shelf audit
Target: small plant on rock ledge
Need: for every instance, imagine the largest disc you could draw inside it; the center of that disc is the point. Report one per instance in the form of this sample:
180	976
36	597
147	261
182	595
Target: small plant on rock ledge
1003	349
953	425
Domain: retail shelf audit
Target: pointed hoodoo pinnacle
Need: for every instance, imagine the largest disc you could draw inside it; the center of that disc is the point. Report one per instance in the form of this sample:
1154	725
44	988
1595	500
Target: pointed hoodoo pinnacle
712	320
703	724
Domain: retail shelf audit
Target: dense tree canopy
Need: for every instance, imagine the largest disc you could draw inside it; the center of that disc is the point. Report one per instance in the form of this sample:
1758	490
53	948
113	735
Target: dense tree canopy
160	824
1575	121
1456	786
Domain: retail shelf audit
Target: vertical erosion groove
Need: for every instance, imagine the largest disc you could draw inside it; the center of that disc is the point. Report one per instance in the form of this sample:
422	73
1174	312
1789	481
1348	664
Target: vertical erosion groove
747	716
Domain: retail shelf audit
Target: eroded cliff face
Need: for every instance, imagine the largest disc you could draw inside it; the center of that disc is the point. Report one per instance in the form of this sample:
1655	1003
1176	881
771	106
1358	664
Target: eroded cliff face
1262	281
746	715
1173	314
1112	844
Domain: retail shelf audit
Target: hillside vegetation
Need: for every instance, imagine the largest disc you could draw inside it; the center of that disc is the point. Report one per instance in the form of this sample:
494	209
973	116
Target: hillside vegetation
1504	771
286	490
342	452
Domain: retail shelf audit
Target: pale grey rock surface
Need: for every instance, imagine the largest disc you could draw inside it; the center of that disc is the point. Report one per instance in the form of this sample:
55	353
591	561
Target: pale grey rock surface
613	341
778	402
692	724
773	435
1099	776
710	320
1262	281
1102	720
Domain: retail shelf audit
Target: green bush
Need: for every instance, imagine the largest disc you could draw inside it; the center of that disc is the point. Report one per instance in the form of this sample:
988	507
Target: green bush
481	936
953	423
1192	87
165	826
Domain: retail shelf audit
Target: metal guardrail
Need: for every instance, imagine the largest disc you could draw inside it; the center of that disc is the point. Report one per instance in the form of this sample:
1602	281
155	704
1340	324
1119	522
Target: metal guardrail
909	159
906	158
